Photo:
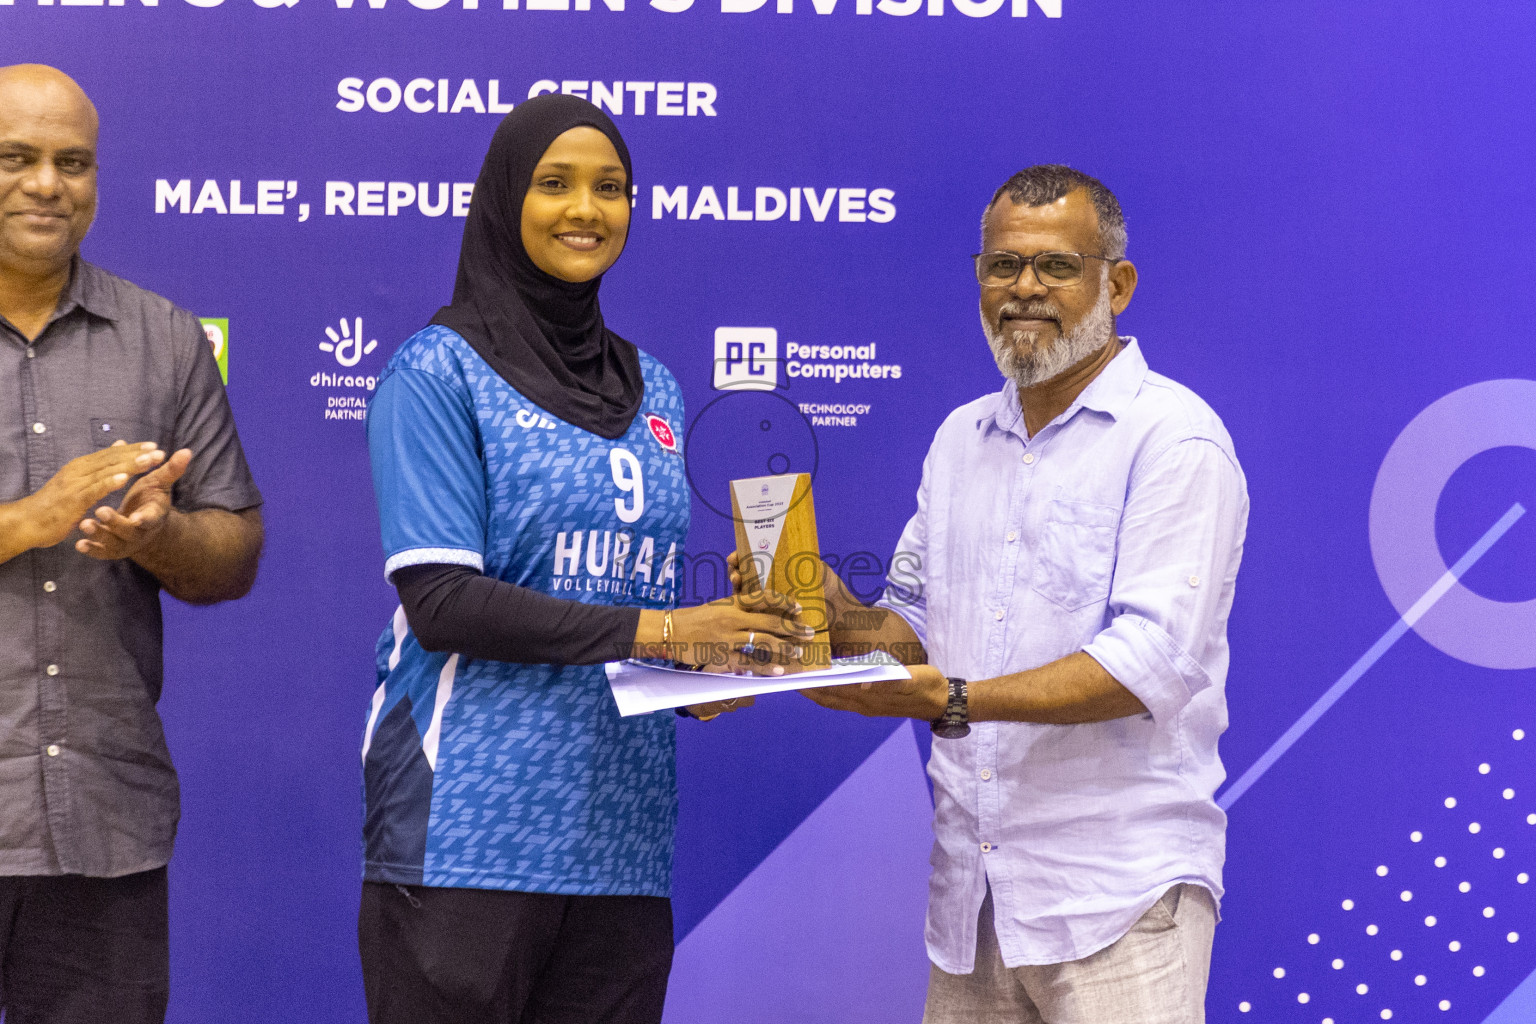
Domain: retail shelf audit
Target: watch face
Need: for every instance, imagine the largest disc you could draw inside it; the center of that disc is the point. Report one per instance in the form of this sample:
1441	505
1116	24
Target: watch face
950	730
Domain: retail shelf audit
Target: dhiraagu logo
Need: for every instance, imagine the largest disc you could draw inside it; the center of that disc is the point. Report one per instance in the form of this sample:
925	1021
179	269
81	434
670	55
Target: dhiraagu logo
348	346
217	330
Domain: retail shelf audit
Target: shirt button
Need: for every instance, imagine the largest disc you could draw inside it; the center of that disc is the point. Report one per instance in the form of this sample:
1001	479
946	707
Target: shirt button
1029	458
986	847
998	615
31	353
53	750
52	670
49	587
1194	581
986	773
38	428
1013	535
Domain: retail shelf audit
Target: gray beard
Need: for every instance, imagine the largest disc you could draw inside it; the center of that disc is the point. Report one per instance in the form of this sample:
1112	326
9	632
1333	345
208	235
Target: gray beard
1031	366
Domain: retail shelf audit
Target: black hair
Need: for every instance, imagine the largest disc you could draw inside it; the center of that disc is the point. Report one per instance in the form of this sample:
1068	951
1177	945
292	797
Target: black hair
1046	183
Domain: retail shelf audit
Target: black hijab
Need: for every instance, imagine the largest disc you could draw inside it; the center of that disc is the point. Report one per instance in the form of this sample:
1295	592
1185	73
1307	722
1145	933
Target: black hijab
544	336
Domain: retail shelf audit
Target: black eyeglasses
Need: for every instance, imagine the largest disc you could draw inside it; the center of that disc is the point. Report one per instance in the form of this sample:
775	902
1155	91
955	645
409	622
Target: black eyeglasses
1052	269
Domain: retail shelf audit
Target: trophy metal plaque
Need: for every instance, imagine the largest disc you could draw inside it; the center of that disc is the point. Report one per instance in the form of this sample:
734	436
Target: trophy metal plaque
776	538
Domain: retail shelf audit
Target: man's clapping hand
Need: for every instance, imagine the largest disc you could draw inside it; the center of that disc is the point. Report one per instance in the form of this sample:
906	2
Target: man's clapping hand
51	514
125	531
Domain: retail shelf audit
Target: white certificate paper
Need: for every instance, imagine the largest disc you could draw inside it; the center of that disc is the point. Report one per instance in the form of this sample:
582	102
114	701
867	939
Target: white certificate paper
641	687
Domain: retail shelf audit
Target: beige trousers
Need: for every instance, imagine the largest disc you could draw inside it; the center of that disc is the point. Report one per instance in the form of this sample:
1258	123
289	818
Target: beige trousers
1155	974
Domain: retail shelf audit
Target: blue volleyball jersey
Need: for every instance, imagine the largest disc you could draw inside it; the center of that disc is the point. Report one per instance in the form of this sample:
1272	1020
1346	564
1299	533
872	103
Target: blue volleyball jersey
492	775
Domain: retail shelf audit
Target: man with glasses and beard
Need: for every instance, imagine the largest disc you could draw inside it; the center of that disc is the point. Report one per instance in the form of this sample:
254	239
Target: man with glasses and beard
1069	573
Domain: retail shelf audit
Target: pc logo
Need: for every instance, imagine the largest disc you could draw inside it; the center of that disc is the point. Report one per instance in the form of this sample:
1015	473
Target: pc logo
746	358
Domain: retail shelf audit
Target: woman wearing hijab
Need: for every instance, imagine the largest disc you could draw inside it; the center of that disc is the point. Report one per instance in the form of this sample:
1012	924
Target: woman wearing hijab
518	831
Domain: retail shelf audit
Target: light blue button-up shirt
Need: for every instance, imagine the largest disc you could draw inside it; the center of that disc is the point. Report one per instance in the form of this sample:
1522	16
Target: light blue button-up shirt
1116	530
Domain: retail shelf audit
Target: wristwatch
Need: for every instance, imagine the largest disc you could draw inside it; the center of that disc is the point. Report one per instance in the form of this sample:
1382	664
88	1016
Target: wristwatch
955	722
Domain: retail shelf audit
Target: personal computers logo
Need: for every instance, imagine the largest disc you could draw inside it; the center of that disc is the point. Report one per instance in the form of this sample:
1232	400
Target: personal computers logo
746	358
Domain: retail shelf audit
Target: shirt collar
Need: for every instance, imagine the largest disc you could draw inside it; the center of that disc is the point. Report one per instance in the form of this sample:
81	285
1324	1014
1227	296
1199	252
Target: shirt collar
1111	392
87	291
1116	385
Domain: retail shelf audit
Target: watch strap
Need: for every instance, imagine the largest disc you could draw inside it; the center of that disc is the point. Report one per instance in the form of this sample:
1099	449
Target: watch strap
955	722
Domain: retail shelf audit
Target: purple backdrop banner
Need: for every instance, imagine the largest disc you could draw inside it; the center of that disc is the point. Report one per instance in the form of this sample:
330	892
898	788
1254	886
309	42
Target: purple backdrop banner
1330	205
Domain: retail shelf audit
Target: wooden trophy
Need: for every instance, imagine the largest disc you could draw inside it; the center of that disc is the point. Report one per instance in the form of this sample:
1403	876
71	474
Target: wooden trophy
776	539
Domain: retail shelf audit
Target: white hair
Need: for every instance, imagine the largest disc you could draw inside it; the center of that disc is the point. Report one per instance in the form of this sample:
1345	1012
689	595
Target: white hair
1022	362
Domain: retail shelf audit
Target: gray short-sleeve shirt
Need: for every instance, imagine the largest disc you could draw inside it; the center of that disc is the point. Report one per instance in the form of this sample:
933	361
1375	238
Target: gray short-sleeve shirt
86	782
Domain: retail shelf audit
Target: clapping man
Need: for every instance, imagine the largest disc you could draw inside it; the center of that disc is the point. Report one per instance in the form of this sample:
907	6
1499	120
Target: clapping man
100	380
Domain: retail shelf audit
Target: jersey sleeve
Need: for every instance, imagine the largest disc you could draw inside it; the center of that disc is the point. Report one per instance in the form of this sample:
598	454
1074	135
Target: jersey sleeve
428	477
453	608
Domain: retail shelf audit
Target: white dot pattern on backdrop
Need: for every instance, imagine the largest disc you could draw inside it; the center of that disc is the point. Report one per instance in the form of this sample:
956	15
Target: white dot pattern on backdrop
1486	812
